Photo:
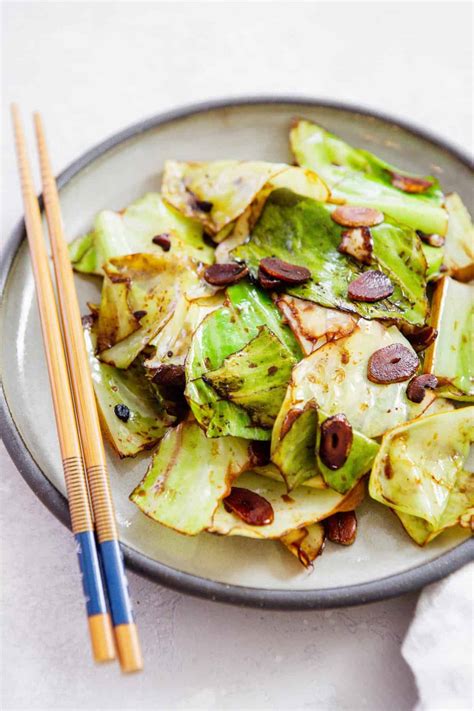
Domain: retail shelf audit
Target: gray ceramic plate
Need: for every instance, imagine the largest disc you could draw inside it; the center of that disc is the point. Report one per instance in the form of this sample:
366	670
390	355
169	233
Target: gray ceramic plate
383	562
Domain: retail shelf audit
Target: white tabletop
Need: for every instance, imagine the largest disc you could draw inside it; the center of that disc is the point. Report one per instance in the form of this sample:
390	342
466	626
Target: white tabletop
93	68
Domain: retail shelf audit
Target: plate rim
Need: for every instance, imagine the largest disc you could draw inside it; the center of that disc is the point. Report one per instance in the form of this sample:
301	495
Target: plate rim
361	593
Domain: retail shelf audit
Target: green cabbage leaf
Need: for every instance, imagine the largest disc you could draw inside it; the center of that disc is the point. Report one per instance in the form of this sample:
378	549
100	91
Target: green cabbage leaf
459	511
131	231
148	418
221	334
358	177
295	450
256	377
188	476
171	344
420	471
300	230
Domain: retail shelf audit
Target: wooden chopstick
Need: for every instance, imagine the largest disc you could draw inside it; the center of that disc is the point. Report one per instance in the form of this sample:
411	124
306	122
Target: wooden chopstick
125	630
100	628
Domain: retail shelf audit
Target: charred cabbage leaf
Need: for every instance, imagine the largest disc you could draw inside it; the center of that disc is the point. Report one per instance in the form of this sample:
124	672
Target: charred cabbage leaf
459	244
218	192
451	356
256	377
221	334
131	231
419	470
306	543
302	508
188	476
314	325
300	230
335	376
173	340
116	318
147	286
358	177
147	417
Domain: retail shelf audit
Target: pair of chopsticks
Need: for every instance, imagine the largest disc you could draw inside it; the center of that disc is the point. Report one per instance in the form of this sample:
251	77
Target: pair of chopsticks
77	421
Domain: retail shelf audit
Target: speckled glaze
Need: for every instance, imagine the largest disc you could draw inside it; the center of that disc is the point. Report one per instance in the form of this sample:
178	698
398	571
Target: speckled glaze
383	562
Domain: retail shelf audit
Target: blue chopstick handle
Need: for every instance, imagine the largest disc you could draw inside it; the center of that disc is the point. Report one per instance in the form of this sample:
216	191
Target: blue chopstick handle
117	587
96	603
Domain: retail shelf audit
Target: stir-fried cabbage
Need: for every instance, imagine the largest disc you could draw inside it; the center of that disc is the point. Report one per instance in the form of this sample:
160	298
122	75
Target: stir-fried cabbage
335	376
314	325
419	471
305	543
171	344
255	377
237	386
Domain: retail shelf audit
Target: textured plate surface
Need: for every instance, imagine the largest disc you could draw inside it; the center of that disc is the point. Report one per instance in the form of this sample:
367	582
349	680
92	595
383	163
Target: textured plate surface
383	561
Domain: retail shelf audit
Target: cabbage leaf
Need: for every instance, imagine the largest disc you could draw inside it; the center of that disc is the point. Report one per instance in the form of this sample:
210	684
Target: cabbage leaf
218	192
459	244
271	471
302	508
221	334
300	230
148	418
130	231
451	356
314	325
305	543
419	470
361	456
335	376
459	511
358	177
188	476
294	440
256	377
172	342
295	451
434	261
147	283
